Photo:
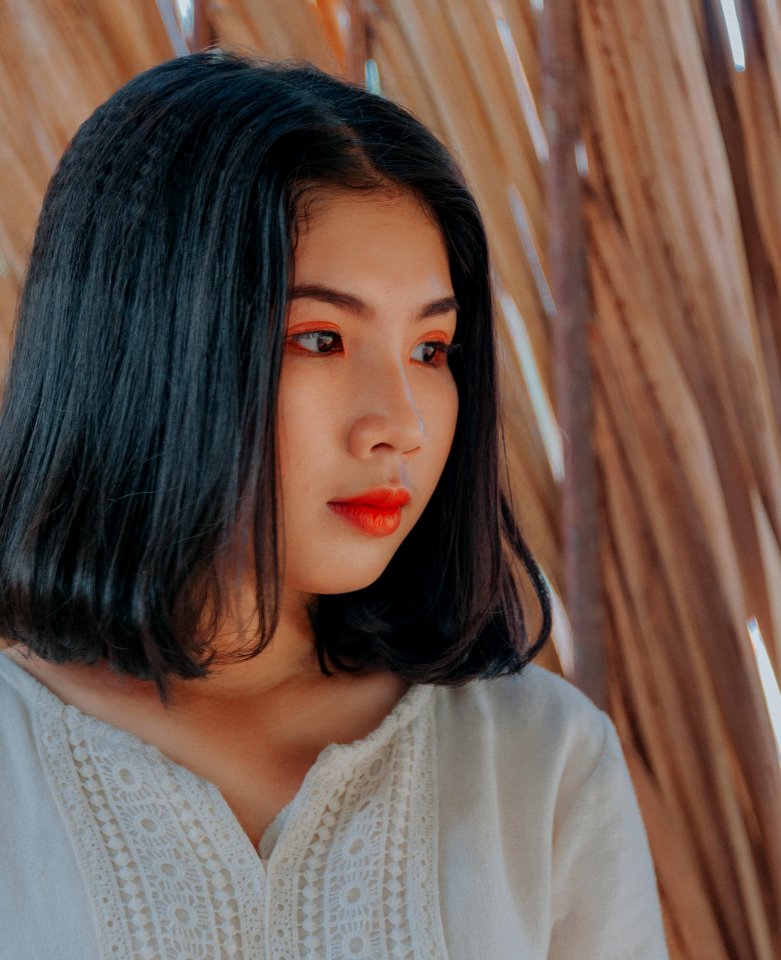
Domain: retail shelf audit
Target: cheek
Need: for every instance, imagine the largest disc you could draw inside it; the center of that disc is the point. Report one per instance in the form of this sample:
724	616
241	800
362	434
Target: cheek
306	415
440	422
447	417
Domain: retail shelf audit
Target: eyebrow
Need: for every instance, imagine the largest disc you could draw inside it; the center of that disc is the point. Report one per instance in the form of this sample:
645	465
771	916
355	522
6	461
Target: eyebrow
347	301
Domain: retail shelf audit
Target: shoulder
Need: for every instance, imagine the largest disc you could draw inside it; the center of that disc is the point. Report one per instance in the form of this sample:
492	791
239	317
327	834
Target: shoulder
534	706
25	704
19	704
537	812
533	739
535	691
18	690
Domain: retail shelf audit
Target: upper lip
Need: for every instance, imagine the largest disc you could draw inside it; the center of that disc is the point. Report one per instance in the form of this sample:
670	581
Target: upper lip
387	497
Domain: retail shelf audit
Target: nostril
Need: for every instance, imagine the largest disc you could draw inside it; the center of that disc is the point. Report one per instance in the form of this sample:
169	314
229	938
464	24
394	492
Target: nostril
372	433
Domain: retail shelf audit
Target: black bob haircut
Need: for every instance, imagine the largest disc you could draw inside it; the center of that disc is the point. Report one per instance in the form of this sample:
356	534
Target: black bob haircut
138	425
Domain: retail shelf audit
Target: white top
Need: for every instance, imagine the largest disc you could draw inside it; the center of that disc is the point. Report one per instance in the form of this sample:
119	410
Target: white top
488	822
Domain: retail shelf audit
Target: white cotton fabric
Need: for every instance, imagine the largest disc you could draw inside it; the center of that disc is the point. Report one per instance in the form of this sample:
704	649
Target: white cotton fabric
488	822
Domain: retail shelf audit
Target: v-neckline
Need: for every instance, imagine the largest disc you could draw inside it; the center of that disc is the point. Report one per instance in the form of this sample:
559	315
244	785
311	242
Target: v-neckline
402	712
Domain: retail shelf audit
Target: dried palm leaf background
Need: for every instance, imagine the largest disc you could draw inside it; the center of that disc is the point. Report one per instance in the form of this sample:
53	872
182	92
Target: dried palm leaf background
682	207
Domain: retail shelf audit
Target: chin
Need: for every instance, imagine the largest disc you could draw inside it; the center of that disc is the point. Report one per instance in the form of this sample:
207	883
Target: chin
348	584
342	577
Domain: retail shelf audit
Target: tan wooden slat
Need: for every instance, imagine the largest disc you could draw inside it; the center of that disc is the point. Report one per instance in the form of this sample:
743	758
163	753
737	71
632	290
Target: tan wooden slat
466	130
654	473
292	30
58	60
473	25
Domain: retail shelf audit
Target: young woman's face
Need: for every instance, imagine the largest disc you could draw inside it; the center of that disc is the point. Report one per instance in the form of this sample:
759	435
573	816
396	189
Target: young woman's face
367	402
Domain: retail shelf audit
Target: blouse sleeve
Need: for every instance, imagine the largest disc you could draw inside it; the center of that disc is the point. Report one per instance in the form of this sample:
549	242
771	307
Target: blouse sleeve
605	904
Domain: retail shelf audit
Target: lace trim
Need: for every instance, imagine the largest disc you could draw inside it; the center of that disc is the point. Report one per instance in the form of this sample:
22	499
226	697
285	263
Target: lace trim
166	877
353	876
171	874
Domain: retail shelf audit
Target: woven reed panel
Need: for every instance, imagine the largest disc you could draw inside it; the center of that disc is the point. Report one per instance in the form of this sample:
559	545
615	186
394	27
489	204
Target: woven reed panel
682	202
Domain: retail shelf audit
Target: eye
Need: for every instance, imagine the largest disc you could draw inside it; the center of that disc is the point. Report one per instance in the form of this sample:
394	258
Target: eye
317	342
433	353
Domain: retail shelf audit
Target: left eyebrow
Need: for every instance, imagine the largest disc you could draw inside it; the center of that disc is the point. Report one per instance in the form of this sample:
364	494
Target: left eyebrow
347	301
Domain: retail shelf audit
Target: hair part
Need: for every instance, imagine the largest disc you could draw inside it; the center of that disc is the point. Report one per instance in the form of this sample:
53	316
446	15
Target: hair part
138	426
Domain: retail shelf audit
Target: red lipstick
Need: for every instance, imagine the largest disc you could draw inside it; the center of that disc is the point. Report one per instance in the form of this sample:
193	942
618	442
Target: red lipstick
376	512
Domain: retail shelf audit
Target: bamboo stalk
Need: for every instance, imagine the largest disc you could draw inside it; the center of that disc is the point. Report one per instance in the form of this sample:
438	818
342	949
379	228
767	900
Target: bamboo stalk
357	48
561	70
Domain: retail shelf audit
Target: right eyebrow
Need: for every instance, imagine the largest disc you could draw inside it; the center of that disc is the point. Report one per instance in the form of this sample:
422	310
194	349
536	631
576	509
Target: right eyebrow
348	301
337	298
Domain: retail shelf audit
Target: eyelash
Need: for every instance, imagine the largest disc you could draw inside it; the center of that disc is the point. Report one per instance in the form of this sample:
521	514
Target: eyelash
442	350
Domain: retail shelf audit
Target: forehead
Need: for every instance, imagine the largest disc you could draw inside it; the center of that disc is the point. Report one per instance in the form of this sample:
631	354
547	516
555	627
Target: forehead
374	242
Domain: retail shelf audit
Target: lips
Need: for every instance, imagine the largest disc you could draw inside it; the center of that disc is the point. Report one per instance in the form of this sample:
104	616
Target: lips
375	512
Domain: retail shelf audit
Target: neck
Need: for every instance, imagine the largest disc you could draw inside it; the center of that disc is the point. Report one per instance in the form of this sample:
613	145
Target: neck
289	658
265	710
289	661
280	693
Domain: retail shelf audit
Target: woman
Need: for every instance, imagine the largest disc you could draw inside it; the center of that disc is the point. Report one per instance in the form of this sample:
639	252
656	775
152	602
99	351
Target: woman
256	570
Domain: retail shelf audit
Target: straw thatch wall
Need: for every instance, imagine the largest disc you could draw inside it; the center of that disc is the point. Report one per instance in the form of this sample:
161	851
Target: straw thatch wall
681	205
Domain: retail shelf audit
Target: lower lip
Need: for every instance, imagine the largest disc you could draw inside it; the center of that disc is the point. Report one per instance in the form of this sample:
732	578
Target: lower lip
376	521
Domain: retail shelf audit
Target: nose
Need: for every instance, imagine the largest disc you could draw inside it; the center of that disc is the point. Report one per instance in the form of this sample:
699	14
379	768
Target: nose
388	417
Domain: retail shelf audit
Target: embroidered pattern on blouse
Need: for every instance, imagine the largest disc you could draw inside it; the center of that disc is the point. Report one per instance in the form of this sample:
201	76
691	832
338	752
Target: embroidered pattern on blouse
164	883
172	876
